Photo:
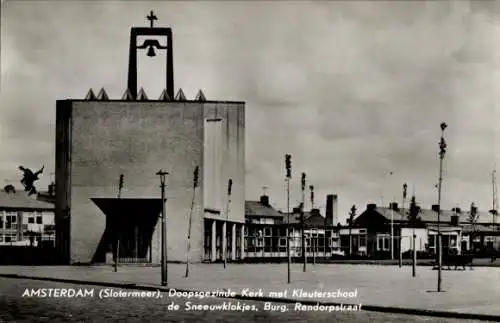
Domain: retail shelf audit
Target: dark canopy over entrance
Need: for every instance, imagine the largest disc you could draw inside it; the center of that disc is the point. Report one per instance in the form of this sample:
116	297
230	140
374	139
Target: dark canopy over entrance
132	222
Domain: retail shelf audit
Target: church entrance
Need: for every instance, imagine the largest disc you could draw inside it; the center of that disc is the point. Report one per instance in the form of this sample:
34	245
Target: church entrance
130	225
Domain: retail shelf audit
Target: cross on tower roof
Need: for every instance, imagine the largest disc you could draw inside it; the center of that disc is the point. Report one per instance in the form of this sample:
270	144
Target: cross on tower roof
151	18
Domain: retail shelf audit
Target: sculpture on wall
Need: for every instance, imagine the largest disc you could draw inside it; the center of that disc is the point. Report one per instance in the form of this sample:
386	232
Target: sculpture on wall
29	179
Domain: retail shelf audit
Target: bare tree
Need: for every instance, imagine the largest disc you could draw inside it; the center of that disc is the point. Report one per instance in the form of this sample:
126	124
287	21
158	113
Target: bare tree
473	217
413	220
352	215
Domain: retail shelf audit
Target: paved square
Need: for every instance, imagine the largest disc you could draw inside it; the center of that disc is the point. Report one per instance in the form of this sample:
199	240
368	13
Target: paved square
470	291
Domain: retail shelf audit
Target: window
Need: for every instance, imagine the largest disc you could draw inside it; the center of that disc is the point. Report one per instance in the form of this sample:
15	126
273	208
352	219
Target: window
10	238
431	241
383	243
362	241
253	232
10	221
31	219
267	232
39	220
1	222
266	221
268	244
51	227
282	242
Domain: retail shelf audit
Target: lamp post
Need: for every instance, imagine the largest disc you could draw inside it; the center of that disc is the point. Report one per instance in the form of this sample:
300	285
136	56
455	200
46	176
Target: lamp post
164	276
229	188
312	231
288	168
117	253
195	185
442	152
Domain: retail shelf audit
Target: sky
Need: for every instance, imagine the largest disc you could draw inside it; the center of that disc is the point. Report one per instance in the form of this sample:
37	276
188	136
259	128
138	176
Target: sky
354	91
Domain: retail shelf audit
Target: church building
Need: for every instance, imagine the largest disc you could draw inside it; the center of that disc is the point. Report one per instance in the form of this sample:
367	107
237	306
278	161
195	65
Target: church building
108	154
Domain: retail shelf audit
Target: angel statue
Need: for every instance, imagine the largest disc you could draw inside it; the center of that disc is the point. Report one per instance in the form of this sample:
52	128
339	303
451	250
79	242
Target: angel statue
29	178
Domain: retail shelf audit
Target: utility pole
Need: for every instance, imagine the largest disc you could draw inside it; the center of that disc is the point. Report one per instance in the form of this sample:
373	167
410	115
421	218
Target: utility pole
392	231
117	256
302	220
229	188
164	271
392	223
195	185
442	152
288	167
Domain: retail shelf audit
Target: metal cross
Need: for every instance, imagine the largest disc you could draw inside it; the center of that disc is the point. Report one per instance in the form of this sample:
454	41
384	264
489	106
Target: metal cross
151	18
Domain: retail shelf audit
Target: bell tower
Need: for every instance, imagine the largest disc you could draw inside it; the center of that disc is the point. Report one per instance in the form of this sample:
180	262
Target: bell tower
132	137
150	45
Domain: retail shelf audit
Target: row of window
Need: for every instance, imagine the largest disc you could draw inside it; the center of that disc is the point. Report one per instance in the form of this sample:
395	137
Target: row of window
273	232
11	219
281	242
12	237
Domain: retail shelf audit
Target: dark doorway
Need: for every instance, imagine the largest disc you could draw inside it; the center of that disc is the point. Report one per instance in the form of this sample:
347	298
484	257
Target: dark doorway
130	224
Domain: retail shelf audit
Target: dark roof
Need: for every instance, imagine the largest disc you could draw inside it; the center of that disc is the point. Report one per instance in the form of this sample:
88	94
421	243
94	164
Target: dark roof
310	219
21	201
255	208
444	228
427	215
294	218
46	197
480	228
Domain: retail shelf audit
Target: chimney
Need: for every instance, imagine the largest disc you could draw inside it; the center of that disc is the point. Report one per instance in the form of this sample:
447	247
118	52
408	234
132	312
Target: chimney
435	208
455	220
331	208
371	206
264	200
393	206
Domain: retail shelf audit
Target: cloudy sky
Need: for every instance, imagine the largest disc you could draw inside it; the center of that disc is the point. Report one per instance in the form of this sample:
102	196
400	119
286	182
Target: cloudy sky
353	90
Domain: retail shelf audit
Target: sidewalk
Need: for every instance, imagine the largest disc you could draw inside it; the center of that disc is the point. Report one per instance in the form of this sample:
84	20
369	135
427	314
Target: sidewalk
476	291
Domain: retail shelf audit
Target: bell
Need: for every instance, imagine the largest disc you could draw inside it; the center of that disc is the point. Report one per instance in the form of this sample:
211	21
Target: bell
151	51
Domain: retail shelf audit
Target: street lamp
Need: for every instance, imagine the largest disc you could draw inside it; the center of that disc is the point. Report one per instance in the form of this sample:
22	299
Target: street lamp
442	152
164	276
288	168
